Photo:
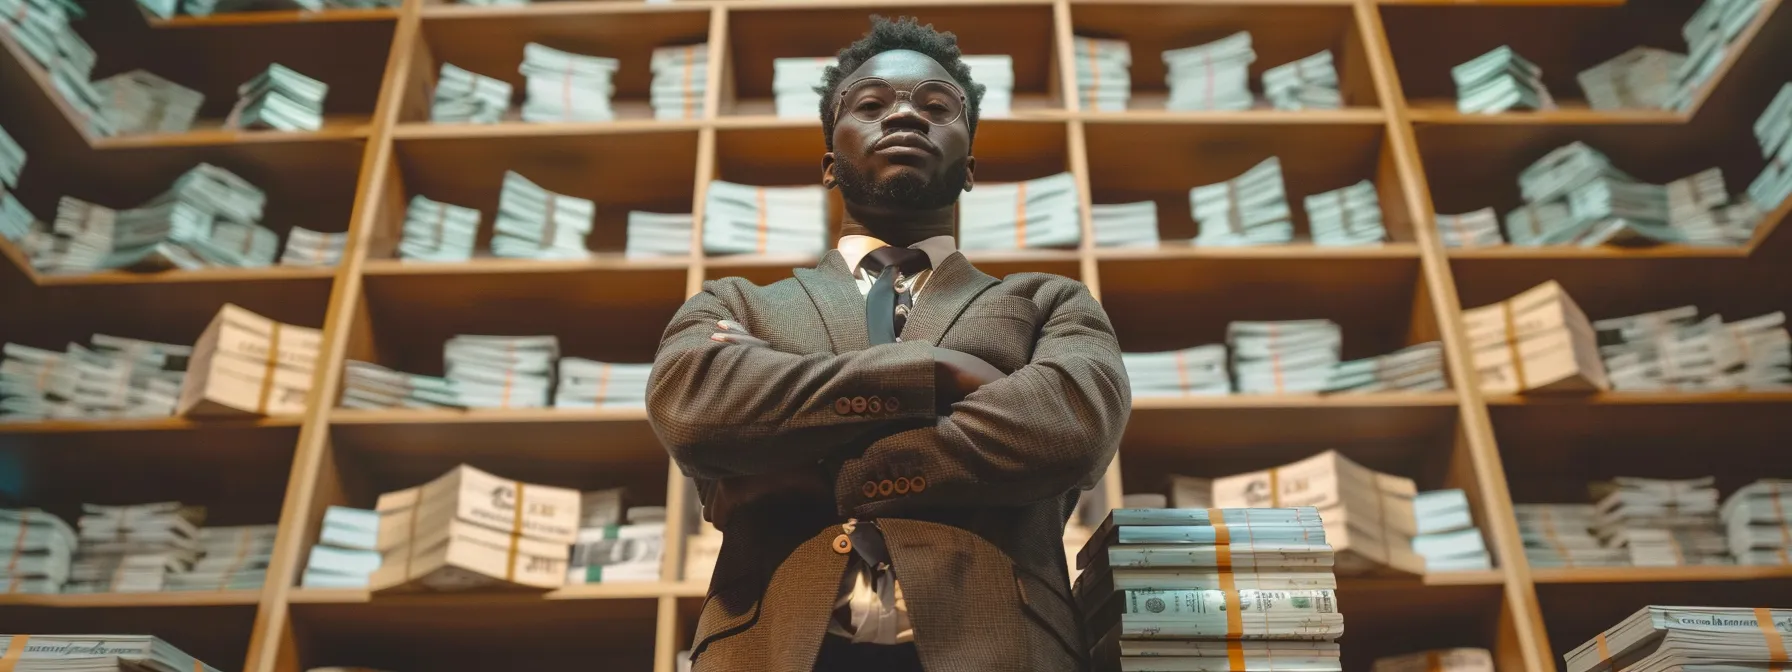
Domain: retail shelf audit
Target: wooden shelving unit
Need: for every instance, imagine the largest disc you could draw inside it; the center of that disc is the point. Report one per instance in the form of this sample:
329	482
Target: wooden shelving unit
1397	130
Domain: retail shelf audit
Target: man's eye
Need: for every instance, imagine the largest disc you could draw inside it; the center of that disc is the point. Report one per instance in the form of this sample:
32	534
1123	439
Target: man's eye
870	105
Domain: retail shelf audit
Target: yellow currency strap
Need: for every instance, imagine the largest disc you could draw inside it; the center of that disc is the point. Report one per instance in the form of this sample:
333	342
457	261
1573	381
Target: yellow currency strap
1512	344
198	666
14	651
1222	559
242	551
1776	645
410	547
1182	372
690	62
1549	532
516	534
1275	487
18	549
552	230
603	382
267	377
1779	514
1094	72
441	224
1605	652
1020	215
1434	661
759	200
509	354
1275	358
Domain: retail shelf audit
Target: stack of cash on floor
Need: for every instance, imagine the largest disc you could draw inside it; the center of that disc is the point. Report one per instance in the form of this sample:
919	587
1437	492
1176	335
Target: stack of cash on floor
1710	34
1773	130
1642	78
1688	638
466	97
534	223
747	219
1498	81
281	99
1251	209
471	529
1537	341
141	102
995	73
39	548
347	550
1035	213
1310	83
15	220
793	85
1125	224
437	231
1103	74
246	364
1437	660
1347	216
209	217
1196	589
305	247
1674	350
116	378
654	234
1660	522
563	86
588	383
680	81
1757	525
617	543
95	653
1212	76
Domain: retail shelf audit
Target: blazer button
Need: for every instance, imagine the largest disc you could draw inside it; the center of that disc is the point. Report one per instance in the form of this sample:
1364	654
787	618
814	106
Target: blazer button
917	483
869	489
902	486
843	406
858	404
874	404
891	405
885	487
843	544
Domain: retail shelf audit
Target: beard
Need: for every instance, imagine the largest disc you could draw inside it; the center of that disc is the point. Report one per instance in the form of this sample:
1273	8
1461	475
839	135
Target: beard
904	191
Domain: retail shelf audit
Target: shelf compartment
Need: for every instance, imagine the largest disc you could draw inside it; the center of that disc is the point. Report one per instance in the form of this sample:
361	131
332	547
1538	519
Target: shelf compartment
218	635
73	313
1619	286
465	632
234	19
1577	612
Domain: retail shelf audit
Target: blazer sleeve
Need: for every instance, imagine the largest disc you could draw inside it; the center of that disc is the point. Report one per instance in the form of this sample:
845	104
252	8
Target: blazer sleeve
728	410
1047	428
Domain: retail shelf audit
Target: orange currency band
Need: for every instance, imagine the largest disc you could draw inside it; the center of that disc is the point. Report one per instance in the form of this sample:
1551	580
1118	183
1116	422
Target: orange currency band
242	552
1434	661
1779	514
1182	372
1275	357
759	199
267	375
552	230
690	62
410	547
516	534
1229	588
603	382
1776	644
18	549
1020	215
1605	651
1094	72
1275	487
15	650
1512	344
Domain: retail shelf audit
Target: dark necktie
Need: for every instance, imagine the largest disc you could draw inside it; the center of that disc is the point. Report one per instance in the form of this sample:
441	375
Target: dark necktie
886	307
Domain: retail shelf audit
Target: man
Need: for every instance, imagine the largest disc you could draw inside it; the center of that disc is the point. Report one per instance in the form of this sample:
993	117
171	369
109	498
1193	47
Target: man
892	441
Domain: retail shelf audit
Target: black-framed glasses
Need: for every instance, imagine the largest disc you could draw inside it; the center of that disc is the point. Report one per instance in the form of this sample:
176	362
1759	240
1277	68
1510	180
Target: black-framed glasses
872	99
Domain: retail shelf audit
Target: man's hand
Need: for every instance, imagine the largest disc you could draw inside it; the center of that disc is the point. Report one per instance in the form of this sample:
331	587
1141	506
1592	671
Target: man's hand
731	494
956	375
729	331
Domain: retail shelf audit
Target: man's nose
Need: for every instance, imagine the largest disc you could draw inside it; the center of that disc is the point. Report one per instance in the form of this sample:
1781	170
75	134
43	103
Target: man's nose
904	115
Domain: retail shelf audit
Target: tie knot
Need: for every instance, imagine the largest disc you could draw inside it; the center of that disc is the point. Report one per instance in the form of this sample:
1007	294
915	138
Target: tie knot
906	259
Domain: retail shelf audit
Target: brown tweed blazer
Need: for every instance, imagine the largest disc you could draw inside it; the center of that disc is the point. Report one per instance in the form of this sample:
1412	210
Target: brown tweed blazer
972	505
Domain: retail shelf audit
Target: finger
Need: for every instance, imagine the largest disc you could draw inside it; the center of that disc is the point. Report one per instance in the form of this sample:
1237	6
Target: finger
732	338
731	325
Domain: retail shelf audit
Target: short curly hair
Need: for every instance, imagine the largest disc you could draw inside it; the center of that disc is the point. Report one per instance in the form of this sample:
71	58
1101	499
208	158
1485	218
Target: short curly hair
903	33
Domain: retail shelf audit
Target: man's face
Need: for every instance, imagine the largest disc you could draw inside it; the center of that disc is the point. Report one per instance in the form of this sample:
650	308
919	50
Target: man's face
903	162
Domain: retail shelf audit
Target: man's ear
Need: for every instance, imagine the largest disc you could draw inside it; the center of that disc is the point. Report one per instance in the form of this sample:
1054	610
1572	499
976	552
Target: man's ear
827	170
970	172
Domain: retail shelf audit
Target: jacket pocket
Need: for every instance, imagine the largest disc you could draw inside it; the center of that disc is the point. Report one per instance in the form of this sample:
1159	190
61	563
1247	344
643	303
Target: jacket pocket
728	610
1051	611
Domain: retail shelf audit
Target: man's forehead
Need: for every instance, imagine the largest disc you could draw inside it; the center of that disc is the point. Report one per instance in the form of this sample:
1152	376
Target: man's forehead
901	65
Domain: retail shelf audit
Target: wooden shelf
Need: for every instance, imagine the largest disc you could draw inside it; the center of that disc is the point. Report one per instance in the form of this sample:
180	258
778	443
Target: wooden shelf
139	425
232	19
1662	574
1140	114
1306	252
602	591
499	266
1568	252
1444	112
212	132
267	274
1643	399
197	598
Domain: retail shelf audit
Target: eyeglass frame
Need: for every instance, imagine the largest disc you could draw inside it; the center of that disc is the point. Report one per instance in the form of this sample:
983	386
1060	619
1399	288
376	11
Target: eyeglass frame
964	101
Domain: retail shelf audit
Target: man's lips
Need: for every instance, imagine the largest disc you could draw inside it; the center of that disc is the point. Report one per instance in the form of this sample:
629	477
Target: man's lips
905	140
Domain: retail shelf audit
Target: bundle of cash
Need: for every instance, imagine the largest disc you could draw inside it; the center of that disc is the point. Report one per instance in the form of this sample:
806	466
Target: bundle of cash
680	81
1212	76
1197	589
1673	349
1660	522
1417	368
125	549
1498	81
471	529
141	102
794	81
613	548
96	653
1537	341
17	224
437	231
1346	217
1757	528
586	383
501	371
1283	357
1678	638
1642	78
1616	211
1563	170
230	558
1125	224
1480	228
653	234
995	73
1035	213
534	223
38	547
346	554
208	7
116	378
305	247
1103	74
1447	537
1199	371
1437	660
1561	535
1251	209
1370	517
207	218
1773	129
246	364
466	97
1310	83
15	221
745	219
41	28
1547	223
1709	34
494	3
366	385
1701	212
563	86
12	160
281	99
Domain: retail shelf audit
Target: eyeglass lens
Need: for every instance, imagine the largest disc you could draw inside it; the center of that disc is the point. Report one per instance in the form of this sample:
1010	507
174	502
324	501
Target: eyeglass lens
874	100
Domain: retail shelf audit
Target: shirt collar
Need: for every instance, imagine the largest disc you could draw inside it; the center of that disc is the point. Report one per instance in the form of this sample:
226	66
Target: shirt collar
853	249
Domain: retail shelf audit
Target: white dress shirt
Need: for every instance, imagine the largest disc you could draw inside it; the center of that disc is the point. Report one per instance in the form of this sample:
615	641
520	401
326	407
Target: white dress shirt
879	614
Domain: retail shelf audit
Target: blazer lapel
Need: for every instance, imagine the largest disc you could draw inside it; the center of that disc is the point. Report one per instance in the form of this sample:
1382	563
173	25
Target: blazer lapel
953	285
831	286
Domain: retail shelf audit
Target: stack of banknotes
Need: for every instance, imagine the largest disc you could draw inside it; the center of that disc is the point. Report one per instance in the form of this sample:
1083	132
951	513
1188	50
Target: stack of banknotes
616	544
1498	81
41	28
40	547
1437	660
133	549
139	101
995	73
1197	371
1310	83
367	385
1575	196
1702	212
305	247
654	234
96	653
166	9
1103	74
209	217
1561	535
470	529
1215	588
1480	228
1757	525
501	371
246	365
1673	349
534	223
466	97
680	81
1710	34
281	99
1687	638
1417	368
15	220
230	558
437	231
1537	341
747	219
1447	537
1035	213
1773	129
116	378
346	553
1346	217
564	86
1284	357
1251	209
586	383
794	81
1125	224
12	161
1642	78
1212	76
1660	522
